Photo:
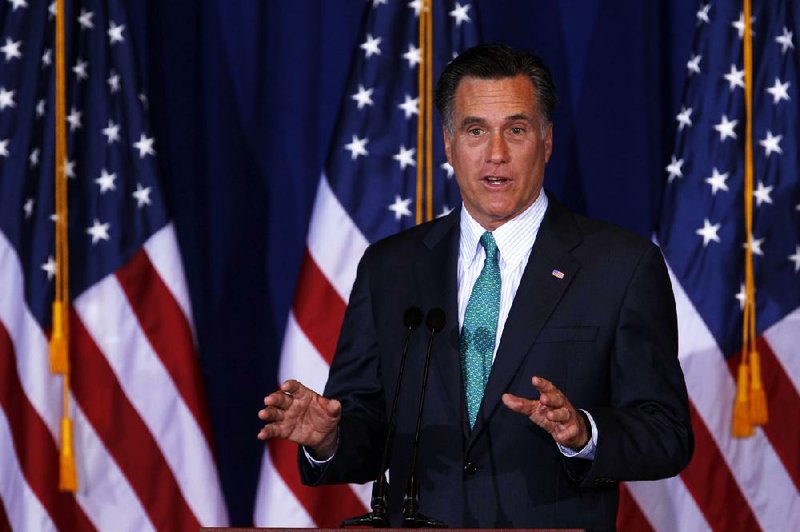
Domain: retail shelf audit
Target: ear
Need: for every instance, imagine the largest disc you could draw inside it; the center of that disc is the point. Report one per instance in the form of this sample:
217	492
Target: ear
548	142
447	146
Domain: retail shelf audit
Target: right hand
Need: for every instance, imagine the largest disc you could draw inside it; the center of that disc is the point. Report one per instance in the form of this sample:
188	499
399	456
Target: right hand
303	416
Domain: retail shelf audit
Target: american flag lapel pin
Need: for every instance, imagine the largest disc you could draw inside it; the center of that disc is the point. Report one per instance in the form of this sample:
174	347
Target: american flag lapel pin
558	274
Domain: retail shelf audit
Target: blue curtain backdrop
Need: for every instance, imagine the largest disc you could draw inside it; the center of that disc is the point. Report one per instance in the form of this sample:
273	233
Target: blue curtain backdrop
243	97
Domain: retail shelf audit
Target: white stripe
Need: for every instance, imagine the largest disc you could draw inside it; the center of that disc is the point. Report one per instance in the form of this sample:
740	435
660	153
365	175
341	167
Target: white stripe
753	462
668	505
22	507
276	505
784	339
300	360
162	249
100	482
334	241
113	325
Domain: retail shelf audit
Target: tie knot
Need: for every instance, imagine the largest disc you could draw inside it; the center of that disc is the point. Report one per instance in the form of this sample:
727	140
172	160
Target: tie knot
489	245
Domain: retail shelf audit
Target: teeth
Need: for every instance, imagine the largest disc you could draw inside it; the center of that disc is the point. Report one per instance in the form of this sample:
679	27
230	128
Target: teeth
495	179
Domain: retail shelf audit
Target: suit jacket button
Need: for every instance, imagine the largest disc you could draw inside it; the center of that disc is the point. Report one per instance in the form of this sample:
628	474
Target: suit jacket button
470	467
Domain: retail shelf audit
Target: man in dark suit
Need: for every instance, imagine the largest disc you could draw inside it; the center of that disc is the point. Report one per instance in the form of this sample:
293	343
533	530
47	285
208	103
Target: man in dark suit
556	375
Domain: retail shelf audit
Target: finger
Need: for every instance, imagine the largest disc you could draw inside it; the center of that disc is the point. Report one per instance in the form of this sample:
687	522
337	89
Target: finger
542	384
517	404
560	415
270	414
552	399
334	407
278	399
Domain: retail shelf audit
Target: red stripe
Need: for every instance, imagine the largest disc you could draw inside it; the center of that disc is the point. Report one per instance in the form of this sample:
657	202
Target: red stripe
709	480
782	429
318	308
125	434
5	524
34	445
327	505
168	331
629	516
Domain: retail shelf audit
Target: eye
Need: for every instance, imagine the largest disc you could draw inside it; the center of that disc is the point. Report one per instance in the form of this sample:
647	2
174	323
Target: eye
517	130
474	132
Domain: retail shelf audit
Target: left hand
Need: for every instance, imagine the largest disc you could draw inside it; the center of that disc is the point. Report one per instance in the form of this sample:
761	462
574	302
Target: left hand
553	412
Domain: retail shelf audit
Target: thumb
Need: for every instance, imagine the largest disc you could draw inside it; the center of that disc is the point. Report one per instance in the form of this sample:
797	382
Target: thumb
333	407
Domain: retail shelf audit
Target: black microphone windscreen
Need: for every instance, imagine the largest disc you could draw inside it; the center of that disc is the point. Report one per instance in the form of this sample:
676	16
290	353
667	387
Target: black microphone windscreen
412	317
435	320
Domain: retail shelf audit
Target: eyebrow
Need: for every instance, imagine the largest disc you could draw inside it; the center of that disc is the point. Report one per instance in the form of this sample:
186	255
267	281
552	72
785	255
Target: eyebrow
479	120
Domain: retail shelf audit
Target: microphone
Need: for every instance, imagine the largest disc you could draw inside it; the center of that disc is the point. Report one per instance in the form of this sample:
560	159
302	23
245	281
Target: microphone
379	516
411	517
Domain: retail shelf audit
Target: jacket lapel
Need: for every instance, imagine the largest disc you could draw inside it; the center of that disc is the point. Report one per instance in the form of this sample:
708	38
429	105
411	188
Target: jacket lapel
437	280
540	290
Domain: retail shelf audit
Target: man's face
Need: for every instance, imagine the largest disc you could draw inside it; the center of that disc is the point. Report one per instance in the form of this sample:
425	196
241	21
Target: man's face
497	148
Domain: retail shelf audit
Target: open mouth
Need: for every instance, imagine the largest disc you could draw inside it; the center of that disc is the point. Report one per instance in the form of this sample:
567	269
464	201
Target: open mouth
494	180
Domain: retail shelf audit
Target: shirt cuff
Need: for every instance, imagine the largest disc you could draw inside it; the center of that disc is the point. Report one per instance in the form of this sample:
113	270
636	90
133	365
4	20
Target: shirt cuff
587	453
316	462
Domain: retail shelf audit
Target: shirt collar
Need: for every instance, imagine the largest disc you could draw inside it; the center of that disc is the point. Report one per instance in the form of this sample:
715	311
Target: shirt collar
514	238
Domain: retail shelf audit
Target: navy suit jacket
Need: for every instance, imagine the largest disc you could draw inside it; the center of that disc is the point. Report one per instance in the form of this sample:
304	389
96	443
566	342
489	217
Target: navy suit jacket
604	333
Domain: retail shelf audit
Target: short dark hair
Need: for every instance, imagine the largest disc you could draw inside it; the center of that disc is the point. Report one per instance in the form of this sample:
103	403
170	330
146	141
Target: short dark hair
495	61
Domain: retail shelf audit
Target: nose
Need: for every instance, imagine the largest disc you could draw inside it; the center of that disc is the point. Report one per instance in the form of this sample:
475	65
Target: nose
498	149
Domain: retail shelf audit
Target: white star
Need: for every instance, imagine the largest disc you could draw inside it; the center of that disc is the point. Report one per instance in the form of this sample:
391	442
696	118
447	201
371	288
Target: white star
74	119
111	132
447	168
47	58
771	143
143	99
80	69
11	49
416	5
684	118
85	19
735	77
694	64
412	56
115	32
762	194
405	157
785	40
400	207
674	169
69	168
372	45
363	96
702	14
106	181
51	9
28	207
755	245
50	267
460	13
145	146
725	128
742	297
376	3
357	147
410	106
739	24
796	259
6	98
445	211
113	81
708	232
34	157
717	181
18	4
779	91
141	195
40	107
4	148
98	231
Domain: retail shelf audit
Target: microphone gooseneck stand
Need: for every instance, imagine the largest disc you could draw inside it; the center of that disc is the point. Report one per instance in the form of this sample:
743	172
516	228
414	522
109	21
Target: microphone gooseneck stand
378	517
411	516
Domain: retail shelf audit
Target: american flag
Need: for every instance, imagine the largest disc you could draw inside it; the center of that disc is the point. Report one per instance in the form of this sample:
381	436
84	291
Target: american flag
142	439
367	191
752	483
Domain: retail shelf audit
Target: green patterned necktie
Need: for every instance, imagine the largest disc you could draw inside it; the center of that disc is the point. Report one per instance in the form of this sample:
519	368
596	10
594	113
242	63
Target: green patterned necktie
480	328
